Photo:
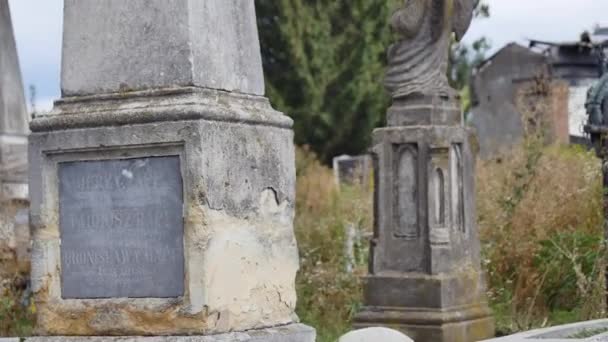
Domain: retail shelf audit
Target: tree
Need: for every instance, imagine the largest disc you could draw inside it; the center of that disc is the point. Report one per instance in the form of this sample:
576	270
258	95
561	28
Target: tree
463	58
325	62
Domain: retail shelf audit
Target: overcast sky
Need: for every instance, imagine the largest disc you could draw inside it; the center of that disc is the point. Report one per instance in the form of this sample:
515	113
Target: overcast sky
38	24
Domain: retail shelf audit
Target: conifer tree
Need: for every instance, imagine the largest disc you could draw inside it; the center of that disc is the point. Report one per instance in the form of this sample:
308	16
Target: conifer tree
324	62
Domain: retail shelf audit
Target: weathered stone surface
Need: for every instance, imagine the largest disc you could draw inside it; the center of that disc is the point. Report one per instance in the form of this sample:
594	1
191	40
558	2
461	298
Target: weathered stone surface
352	169
13	155
13	113
418	63
122	229
435	291
150	79
375	334
211	44
563	333
288	333
239	187
425	275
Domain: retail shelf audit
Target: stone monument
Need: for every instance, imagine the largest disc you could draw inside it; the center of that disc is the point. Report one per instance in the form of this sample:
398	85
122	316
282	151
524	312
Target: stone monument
14	231
425	275
164	181
352	170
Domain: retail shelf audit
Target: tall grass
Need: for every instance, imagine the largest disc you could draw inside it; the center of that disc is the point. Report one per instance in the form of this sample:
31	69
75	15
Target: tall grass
540	219
329	295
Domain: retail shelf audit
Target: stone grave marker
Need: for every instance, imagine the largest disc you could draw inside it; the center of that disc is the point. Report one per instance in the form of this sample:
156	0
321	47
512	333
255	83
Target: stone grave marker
352	169
425	272
13	153
163	181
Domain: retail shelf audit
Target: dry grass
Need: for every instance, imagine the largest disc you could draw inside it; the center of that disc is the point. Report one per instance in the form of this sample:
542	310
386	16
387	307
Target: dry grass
541	227
540	219
16	309
328	294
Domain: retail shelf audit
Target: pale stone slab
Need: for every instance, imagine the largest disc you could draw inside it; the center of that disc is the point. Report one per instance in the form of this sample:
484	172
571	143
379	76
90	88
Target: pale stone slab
13	113
209	44
563	333
375	334
289	333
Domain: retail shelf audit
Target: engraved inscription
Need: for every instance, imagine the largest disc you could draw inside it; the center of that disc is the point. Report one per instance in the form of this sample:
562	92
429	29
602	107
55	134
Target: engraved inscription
406	188
121	228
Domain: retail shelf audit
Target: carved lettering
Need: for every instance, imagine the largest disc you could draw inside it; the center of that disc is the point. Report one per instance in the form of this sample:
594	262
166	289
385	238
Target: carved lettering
121	228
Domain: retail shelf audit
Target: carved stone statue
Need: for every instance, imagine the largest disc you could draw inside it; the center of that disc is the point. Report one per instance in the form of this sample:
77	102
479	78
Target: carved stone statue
418	63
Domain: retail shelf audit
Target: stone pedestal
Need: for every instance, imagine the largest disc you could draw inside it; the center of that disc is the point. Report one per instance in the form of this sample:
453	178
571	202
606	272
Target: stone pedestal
289	333
164	181
14	231
425	277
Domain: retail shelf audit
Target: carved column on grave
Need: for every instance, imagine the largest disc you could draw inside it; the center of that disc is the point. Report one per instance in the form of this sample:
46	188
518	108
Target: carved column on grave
425	275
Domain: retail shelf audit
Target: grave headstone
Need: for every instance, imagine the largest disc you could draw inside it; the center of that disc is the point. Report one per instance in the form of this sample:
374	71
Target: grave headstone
13	151
163	181
425	274
353	170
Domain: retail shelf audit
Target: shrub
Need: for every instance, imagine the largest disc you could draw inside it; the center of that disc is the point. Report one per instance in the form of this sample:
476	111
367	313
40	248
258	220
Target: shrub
16	309
541	225
328	294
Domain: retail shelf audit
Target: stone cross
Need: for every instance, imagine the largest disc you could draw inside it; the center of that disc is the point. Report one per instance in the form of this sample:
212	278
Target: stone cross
425	274
163	182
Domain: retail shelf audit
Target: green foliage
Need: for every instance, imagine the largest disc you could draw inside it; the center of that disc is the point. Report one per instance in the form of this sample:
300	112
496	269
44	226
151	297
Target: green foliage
324	62
328	294
16	309
570	263
540	219
464	57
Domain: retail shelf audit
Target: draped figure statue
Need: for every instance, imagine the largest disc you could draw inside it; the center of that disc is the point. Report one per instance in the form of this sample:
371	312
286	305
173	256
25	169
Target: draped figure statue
418	62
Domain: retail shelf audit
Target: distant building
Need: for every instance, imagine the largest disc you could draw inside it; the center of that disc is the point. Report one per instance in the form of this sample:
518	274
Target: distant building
501	87
544	84
600	33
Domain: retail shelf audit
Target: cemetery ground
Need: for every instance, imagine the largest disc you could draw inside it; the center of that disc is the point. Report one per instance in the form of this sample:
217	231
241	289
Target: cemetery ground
539	213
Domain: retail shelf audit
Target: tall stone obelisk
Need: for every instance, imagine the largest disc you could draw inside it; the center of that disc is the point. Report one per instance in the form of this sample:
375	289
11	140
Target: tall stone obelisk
425	274
14	232
13	114
163	183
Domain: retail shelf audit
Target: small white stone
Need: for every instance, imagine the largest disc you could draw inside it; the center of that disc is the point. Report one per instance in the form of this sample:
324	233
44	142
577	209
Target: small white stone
375	334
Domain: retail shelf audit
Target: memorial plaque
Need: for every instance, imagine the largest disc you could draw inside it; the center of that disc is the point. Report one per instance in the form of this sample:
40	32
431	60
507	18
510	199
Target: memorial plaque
121	228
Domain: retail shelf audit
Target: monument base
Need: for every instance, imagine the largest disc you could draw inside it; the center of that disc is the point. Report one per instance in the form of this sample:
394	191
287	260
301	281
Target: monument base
288	333
468	324
226	163
428	308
